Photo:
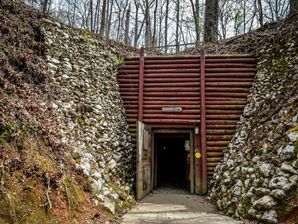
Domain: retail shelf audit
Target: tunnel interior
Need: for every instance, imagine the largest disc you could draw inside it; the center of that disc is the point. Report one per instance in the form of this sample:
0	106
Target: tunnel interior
172	161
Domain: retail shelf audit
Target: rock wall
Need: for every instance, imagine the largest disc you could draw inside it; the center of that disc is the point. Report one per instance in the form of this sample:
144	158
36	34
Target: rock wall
258	176
92	115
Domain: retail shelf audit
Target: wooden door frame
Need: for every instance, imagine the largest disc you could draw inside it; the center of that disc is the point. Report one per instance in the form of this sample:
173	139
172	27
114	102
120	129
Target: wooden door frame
192	159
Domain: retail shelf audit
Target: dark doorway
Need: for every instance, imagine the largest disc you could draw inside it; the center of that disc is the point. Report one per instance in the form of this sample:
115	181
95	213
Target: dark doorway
172	160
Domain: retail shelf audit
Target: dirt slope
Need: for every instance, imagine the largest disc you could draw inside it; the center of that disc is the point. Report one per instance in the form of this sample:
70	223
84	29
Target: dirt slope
39	182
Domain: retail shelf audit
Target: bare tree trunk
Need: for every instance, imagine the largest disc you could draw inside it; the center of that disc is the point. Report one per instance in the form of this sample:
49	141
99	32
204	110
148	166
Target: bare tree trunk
177	25
45	5
135	41
154	38
166	26
91	15
244	16
109	20
160	29
119	20
141	28
127	21
96	16
148	32
259	7
196	14
103	18
211	21
293	6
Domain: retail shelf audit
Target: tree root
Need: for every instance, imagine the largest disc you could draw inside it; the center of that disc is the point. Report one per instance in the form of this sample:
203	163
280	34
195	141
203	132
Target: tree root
47	192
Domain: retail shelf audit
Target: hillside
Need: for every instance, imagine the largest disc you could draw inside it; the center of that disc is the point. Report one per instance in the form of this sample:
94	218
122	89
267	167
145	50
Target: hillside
258	177
41	179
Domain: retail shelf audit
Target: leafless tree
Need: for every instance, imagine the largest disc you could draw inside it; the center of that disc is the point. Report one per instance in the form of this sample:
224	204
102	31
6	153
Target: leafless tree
166	25
103	18
196	14
154	23
127	22
211	21
293	6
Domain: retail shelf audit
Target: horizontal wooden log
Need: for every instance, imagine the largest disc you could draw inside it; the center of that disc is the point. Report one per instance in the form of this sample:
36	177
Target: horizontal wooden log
171	98
170	121
217	143
182	94
216	148
225	116
225	107
220	131
219	137
179	90
159	111
221	122
172	116
229	84
214	159
173	84
166	76
226	94
234	74
225	127
172	126
214	154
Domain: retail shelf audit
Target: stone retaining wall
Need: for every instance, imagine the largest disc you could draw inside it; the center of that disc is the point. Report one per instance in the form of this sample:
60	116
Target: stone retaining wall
92	115
258	176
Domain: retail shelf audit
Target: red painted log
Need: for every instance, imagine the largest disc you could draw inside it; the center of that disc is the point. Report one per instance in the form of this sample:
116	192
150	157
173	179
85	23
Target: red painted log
219	137
173	84
171	116
227	90
193	106
224	94
171	61
229	79
174	98
172	102
141	85
244	70
186	70
225	101
173	94
231	60
229	84
172	126
238	112
172	75
217	122
179	90
159	111
203	123
225	107
230	75
224	116
171	121
172	80
172	66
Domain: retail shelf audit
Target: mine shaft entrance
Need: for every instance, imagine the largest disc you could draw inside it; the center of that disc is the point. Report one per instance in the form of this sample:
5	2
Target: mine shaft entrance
172	160
165	158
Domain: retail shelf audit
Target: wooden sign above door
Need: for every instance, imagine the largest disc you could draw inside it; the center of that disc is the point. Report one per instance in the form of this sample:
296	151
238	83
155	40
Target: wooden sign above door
171	109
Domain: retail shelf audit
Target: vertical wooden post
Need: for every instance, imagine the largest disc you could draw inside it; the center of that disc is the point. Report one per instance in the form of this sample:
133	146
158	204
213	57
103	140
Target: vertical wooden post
197	163
203	124
141	85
